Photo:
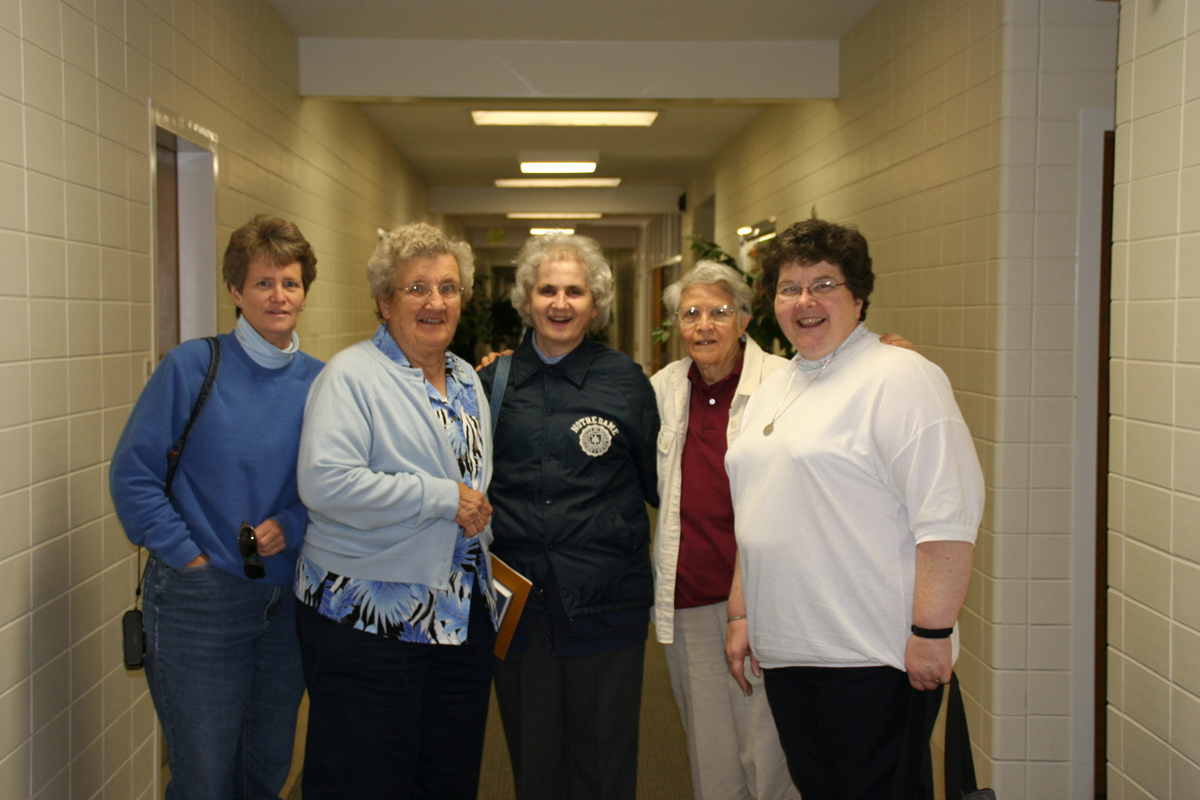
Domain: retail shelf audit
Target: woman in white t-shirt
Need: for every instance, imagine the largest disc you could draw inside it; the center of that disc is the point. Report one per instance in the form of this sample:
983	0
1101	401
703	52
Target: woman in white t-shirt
857	496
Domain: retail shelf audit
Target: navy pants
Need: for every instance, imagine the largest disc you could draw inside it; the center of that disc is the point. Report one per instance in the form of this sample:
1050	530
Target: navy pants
392	719
842	729
571	723
223	666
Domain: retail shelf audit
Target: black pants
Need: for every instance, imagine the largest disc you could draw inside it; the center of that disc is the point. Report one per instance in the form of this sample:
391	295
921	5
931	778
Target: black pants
391	719
571	723
842	729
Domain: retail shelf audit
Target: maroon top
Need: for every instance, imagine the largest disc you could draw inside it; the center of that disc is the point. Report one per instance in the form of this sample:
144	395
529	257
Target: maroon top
706	544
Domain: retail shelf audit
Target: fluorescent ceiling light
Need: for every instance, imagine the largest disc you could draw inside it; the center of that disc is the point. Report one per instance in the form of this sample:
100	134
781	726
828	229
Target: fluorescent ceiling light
557	167
556	183
745	231
554	215
638	119
540	231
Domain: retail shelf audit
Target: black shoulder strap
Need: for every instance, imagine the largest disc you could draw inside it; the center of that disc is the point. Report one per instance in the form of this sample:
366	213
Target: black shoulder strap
177	449
960	765
503	365
960	780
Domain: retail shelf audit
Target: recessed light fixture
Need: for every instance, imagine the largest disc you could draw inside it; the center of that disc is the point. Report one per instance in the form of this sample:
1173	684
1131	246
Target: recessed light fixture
574	118
758	232
556	183
557	167
540	231
553	215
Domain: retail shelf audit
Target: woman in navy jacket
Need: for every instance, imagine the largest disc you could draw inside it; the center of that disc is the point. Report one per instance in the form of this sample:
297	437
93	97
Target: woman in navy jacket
574	469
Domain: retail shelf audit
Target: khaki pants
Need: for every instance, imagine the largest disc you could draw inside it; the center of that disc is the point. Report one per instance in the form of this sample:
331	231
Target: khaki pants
732	742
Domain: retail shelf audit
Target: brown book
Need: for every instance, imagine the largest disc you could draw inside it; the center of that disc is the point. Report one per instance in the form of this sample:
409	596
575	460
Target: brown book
512	589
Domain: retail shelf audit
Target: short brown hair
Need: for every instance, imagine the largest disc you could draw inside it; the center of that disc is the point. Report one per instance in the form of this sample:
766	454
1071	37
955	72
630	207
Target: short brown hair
813	241
272	239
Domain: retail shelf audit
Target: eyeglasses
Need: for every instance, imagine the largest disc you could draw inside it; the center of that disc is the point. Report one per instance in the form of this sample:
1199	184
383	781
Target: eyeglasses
421	291
792	293
252	565
720	315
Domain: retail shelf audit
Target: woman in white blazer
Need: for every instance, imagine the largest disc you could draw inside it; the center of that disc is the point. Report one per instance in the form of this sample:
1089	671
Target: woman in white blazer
732	742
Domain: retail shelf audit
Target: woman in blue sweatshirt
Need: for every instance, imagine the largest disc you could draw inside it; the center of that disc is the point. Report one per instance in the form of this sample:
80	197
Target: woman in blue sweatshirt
222	658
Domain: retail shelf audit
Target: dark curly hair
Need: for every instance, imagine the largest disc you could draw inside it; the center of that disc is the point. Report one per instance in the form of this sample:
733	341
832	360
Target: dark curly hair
277	241
813	241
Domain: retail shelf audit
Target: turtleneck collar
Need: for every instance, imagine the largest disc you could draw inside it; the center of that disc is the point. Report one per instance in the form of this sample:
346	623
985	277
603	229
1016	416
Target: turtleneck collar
261	351
856	334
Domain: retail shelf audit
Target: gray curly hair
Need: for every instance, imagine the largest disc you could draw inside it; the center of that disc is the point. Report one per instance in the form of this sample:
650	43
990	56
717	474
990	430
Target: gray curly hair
413	241
711	273
564	247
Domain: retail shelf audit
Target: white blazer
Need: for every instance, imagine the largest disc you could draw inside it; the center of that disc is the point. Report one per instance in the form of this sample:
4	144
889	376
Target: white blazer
673	391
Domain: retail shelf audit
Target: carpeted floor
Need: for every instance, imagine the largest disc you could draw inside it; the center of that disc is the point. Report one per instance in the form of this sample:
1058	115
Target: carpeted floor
663	772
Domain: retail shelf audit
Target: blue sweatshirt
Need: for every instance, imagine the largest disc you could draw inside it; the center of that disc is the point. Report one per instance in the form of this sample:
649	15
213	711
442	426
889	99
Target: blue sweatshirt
239	462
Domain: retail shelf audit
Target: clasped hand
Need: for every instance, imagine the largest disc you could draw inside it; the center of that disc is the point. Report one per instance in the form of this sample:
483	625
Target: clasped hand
474	510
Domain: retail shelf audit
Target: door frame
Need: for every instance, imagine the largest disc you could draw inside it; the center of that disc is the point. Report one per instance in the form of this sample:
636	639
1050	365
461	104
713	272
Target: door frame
1089	551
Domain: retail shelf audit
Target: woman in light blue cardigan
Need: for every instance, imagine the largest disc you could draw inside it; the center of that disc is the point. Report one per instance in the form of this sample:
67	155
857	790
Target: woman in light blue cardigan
397	614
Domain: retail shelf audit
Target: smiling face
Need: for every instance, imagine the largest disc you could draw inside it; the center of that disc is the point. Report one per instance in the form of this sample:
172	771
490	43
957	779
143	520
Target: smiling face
816	325
714	346
561	306
271	299
423	327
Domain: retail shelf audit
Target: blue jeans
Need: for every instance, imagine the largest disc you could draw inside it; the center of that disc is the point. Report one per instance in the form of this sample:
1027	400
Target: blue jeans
224	669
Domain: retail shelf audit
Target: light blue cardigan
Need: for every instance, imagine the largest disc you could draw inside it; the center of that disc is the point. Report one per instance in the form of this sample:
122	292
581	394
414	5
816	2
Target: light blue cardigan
377	473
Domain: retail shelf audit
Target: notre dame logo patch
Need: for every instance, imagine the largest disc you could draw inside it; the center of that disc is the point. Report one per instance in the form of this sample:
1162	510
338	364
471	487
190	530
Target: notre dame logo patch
595	435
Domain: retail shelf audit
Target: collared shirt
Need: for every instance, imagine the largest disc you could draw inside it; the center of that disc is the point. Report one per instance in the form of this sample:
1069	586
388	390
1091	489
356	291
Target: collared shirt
414	612
706	543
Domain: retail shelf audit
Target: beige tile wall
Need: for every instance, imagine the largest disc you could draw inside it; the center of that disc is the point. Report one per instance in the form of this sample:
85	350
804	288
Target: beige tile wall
954	147
1154	637
75	80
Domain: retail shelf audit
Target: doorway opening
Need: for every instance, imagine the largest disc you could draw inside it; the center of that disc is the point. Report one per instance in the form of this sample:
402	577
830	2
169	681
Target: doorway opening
183	167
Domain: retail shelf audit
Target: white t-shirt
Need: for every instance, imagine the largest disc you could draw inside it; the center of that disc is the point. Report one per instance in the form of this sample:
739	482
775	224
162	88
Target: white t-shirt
871	460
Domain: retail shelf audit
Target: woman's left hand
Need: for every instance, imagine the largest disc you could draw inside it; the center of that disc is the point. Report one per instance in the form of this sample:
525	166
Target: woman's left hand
270	538
927	662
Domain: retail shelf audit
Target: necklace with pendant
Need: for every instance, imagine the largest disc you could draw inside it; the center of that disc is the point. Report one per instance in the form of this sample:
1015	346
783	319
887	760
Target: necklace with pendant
770	428
854	336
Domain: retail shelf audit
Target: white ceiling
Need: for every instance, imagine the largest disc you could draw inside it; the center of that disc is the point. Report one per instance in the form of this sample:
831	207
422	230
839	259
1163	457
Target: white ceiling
575	20
659	54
